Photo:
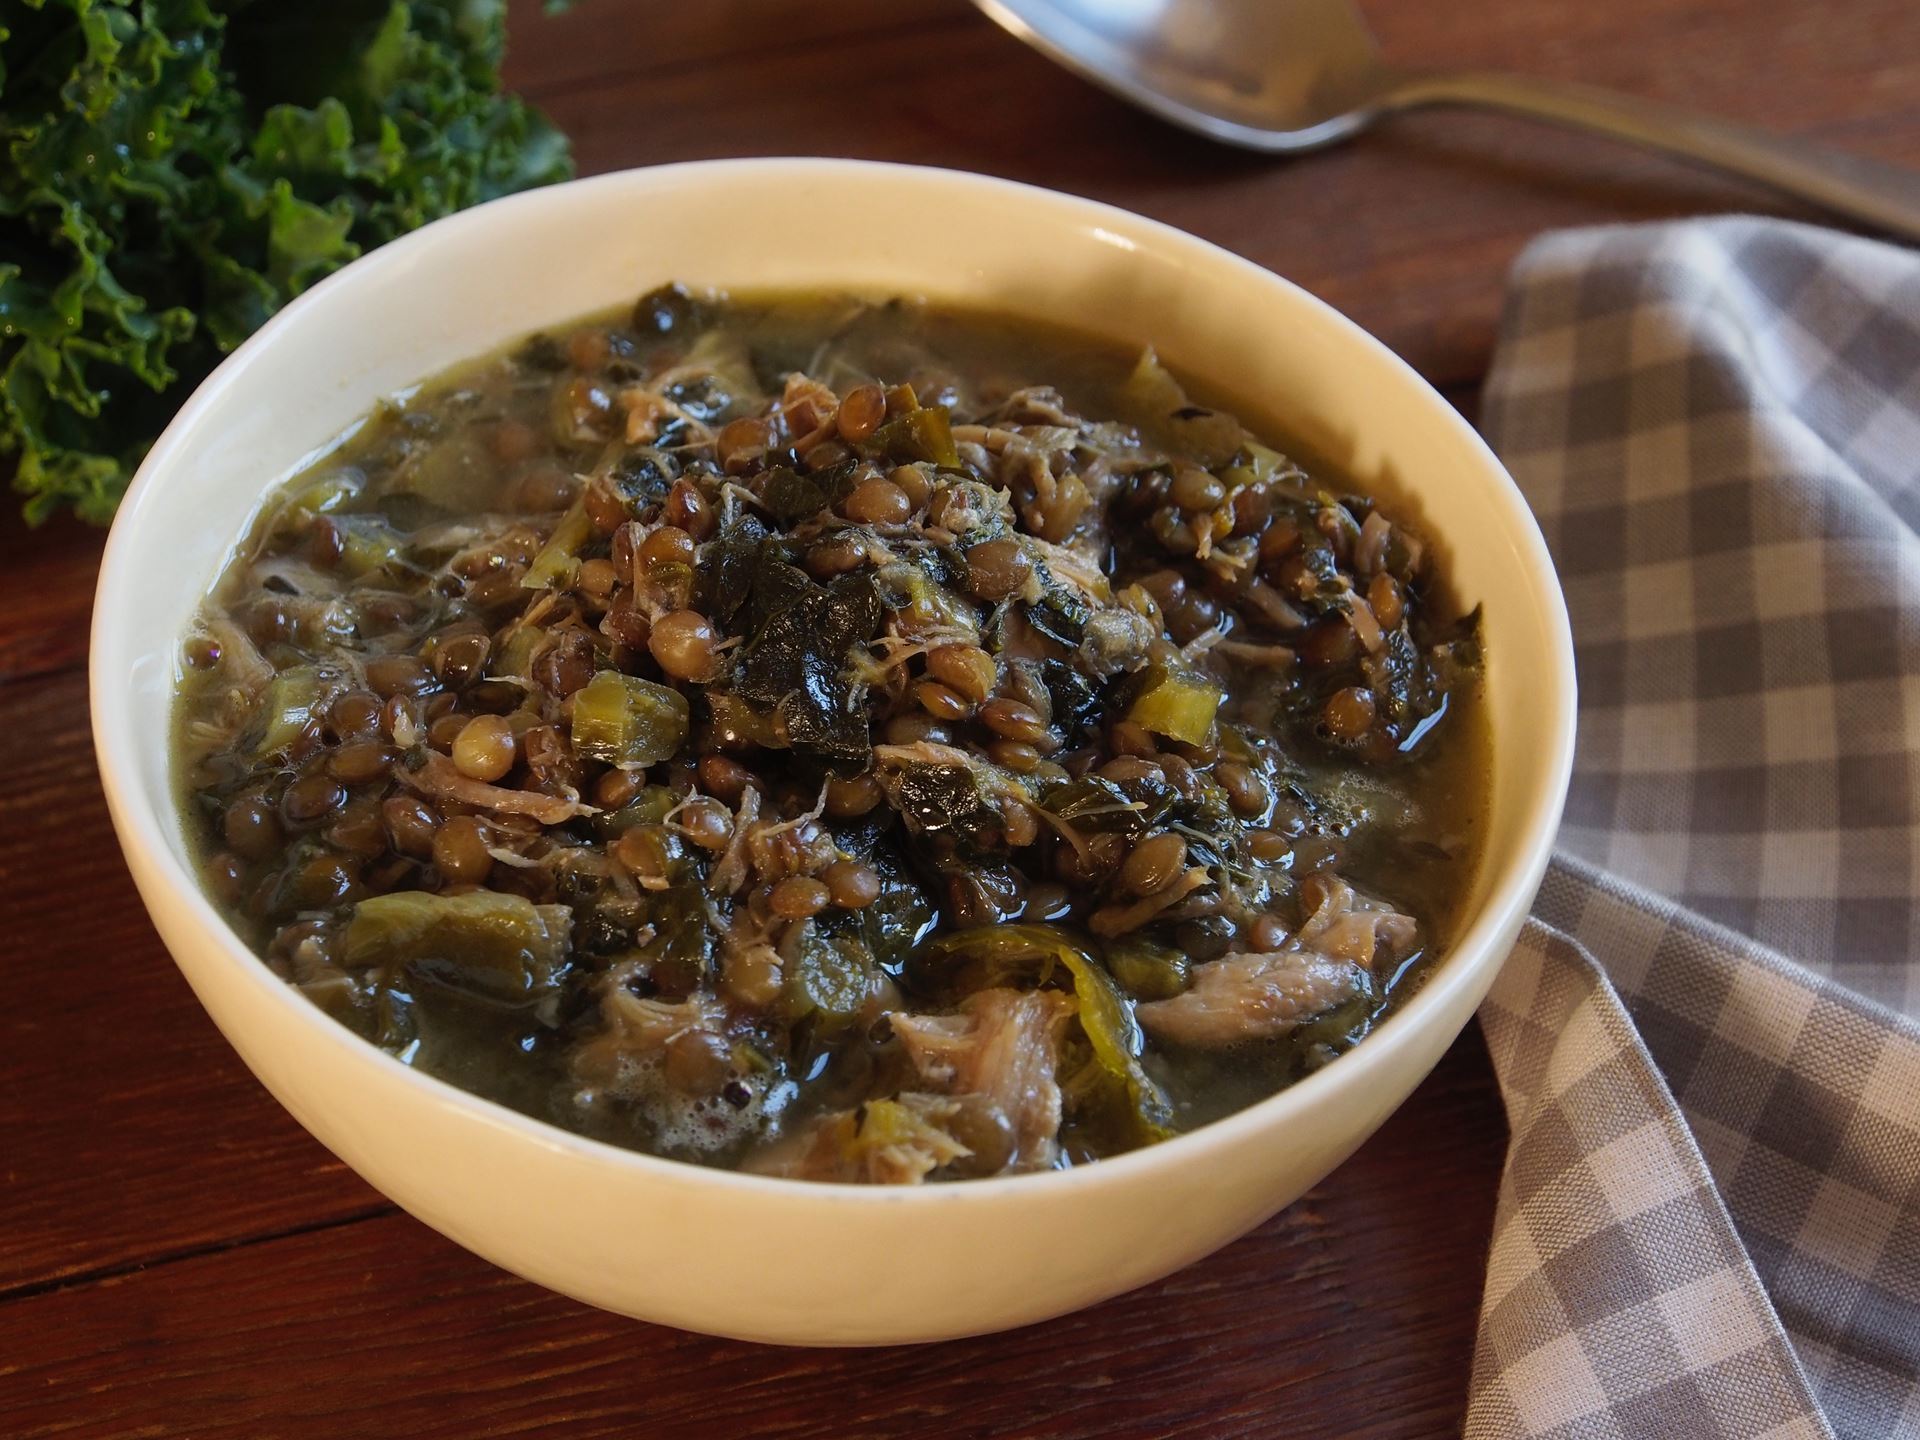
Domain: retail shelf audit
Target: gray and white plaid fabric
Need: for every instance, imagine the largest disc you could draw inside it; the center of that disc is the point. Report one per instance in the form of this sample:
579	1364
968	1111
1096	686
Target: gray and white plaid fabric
1709	1223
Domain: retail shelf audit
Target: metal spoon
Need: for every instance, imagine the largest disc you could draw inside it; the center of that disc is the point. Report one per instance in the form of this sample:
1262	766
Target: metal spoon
1287	76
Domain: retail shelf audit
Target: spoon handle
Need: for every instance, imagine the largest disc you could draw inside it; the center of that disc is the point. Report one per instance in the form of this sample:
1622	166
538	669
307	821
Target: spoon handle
1885	197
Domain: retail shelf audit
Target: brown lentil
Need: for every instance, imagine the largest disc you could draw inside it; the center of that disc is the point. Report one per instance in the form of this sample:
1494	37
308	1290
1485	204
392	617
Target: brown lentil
605	507
1131	770
1349	714
682	644
1388	606
459	660
443	732
360	761
1014	755
512	441
617	788
1252	509
485	748
587	349
912	728
669	545
1022	825
1329	643
725	779
543	490
324	880
1048	900
741	441
1267	846
914	483
850	884
861	412
706	823
688	509
359	829
877	502
1013	720
752	976
1194	489
411	824
598	579
252	827
834	557
312	797
1247	793
797	897
1154	864
224	877
698	1062
628	627
460	850
987	1133
1180	775
940	702
967	670
325	543
997	569
390	675
847	798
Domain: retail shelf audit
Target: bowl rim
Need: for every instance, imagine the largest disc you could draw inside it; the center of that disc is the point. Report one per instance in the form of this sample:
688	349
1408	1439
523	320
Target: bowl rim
1509	893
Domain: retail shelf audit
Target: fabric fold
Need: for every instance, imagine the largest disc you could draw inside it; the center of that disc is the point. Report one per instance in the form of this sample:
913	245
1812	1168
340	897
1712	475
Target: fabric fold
1709	1222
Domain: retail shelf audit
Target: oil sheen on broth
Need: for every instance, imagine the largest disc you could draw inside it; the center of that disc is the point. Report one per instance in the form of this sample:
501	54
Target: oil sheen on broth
843	740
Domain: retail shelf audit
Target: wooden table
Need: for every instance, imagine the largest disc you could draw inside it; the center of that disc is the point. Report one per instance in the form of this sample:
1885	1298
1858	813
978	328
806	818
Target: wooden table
178	1258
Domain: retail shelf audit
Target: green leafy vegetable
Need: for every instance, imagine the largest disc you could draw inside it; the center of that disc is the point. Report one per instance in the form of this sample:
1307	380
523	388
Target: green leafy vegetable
559	558
797	657
625	720
287	708
1178	705
944	799
925	434
175	171
500	950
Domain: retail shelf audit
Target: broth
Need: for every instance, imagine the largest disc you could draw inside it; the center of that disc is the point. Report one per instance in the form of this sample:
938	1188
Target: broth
780	732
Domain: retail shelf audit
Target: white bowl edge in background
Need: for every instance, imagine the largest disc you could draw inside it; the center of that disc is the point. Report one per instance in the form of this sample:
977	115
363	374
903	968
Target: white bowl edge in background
734	1254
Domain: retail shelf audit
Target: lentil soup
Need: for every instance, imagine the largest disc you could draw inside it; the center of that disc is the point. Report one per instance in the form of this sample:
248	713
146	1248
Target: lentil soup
839	740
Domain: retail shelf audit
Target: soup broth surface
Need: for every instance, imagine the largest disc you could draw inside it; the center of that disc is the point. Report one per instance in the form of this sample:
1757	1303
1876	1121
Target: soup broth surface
845	740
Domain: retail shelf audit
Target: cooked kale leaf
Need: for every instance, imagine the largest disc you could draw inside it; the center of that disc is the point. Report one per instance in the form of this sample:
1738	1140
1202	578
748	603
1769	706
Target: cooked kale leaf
797	657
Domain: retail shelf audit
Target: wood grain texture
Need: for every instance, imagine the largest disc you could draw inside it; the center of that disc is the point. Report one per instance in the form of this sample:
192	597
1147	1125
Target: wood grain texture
128	1128
48	575
1409	230
177	1258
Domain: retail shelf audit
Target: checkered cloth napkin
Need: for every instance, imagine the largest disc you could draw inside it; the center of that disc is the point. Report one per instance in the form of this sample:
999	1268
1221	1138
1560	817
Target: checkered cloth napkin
1709	1223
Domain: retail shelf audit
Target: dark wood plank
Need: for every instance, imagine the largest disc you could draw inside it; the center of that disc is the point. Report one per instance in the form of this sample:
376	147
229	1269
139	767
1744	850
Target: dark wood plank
49	573
1409	230
129	1128
621	41
1351	1313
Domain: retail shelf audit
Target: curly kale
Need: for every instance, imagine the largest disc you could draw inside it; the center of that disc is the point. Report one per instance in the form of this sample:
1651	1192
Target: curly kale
177	170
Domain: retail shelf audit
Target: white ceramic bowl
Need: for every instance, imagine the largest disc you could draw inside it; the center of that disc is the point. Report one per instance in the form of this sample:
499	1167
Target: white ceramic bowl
734	1254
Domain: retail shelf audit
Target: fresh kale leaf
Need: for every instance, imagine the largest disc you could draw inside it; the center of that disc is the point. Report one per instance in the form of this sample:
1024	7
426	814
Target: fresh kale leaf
177	170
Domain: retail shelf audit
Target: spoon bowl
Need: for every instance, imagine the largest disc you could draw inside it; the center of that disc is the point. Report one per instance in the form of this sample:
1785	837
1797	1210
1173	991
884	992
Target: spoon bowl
1289	76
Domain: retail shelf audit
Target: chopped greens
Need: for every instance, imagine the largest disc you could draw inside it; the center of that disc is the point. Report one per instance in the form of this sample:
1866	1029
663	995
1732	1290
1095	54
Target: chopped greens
786	735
